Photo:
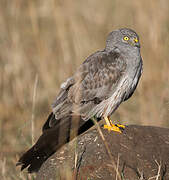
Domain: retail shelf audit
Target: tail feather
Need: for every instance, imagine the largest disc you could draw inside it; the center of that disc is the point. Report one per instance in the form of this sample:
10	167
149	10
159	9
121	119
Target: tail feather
46	145
46	125
51	140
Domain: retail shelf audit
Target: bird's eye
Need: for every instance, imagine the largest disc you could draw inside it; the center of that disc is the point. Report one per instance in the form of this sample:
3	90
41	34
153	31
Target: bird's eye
126	38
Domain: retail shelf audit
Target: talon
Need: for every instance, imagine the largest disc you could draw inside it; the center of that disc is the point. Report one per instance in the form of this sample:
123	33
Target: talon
112	128
120	126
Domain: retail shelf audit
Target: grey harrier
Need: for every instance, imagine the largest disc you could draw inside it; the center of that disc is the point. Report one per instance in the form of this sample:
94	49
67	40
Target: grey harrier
100	84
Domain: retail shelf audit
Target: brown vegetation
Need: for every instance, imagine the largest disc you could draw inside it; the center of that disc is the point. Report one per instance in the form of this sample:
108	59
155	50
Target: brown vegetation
43	42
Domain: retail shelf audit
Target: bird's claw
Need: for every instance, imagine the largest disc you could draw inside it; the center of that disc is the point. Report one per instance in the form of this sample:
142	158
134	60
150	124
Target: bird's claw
115	127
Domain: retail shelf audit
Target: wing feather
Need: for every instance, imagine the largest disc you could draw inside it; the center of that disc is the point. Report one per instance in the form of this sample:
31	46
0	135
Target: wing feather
99	74
94	81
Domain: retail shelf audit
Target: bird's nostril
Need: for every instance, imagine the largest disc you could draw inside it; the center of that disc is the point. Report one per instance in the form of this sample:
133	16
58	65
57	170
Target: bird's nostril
135	40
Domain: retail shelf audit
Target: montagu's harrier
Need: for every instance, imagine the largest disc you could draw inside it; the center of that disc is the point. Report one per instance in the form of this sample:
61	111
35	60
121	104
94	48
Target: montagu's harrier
100	84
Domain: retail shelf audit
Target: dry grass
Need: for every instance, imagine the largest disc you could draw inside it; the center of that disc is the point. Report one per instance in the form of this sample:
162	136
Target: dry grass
49	39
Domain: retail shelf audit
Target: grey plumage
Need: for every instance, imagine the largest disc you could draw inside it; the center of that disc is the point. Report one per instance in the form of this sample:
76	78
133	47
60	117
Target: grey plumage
104	80
99	86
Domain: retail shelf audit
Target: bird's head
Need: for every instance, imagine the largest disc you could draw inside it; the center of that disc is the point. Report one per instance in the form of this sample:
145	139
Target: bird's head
122	38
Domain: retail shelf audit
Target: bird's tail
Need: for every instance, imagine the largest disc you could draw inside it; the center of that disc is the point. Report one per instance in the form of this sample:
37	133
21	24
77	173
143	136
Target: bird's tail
51	140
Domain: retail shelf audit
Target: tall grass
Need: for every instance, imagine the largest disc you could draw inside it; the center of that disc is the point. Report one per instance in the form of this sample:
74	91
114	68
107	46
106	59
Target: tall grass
49	39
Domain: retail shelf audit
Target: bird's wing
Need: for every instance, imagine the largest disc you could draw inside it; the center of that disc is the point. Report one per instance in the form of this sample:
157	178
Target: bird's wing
95	78
93	82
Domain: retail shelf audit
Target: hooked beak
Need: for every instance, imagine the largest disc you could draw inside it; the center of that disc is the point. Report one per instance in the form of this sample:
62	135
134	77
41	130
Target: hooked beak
136	42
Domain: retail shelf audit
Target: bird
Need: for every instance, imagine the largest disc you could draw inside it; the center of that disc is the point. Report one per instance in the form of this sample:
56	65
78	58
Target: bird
102	82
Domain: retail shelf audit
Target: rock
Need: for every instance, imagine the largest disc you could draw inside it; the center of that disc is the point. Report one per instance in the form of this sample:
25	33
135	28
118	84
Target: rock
140	152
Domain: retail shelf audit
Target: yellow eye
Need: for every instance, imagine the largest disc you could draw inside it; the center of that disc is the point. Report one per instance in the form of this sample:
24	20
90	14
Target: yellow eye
126	38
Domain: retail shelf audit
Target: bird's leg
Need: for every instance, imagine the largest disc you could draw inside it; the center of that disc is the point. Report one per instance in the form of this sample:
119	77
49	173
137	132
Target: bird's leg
112	127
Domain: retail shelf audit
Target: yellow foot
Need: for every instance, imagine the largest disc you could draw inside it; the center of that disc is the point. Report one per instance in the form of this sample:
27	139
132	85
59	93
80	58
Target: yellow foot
114	127
119	125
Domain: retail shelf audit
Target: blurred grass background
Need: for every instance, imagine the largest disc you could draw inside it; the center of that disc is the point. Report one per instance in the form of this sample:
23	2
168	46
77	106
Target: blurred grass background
42	43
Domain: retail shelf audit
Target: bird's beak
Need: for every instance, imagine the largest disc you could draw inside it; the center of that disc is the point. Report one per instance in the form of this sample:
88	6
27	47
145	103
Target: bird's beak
136	42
